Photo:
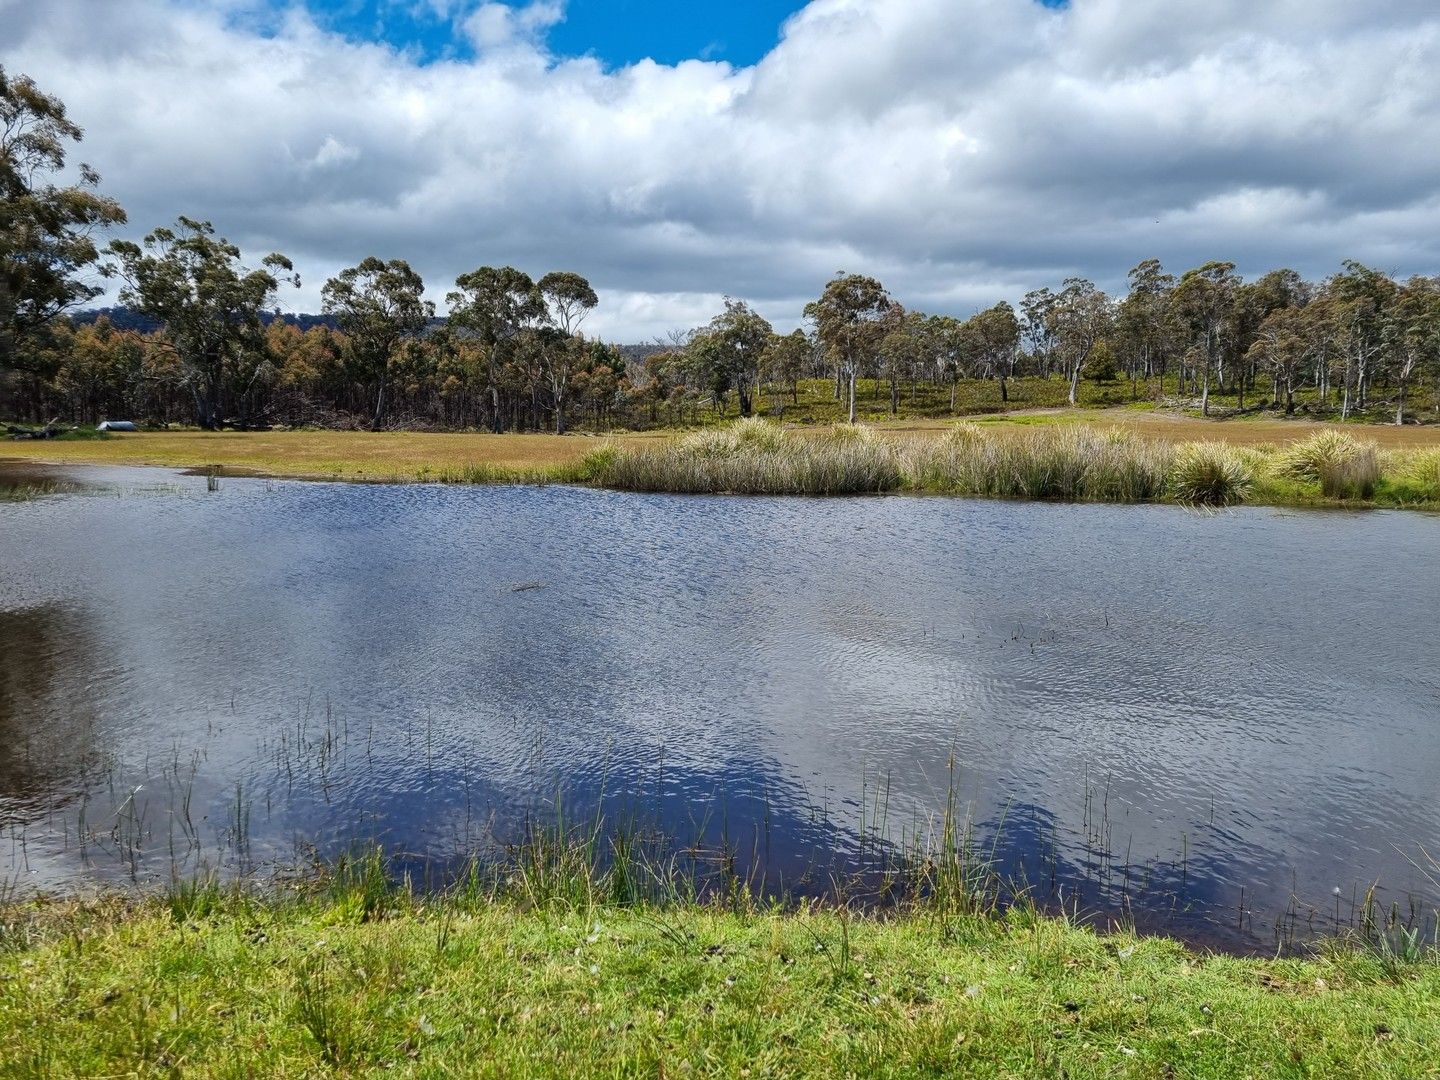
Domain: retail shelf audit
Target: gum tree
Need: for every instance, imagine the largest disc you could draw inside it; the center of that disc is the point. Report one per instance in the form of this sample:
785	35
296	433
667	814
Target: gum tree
47	228
211	307
566	298
378	305
851	321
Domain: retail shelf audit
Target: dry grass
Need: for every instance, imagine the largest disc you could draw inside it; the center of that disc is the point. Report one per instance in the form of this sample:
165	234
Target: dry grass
345	455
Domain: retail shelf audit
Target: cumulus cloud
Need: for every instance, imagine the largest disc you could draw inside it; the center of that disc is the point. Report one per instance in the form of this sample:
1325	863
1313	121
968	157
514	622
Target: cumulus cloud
961	150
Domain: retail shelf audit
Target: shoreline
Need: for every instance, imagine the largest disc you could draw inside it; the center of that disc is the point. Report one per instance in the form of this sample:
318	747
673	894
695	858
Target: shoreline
591	460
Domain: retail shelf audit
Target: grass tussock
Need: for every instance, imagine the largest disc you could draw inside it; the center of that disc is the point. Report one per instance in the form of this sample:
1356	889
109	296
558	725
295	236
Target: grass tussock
753	458
1211	474
1072	463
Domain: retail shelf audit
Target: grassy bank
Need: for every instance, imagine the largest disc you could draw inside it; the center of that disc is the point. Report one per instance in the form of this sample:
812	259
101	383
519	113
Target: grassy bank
353	979
1113	455
1071	462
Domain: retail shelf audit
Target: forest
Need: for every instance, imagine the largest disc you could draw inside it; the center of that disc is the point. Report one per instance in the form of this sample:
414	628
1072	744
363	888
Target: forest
509	352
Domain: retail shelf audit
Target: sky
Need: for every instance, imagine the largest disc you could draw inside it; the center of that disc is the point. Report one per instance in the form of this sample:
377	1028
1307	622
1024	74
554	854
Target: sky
616	32
962	151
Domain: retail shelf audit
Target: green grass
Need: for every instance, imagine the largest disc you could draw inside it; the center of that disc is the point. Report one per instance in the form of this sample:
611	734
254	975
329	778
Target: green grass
815	401
357	980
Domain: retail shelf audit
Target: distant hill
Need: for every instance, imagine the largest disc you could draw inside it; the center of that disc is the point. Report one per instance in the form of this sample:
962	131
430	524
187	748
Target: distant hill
122	318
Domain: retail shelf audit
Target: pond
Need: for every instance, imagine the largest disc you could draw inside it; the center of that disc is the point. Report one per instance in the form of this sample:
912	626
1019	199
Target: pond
1205	722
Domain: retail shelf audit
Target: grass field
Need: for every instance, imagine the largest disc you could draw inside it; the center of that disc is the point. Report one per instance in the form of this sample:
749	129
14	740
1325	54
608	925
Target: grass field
406	456
348	983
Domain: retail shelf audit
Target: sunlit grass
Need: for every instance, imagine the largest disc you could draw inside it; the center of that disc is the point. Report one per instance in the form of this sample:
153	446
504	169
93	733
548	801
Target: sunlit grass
556	967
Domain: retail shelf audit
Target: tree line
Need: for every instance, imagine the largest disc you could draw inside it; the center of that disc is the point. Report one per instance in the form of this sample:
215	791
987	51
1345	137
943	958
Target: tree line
510	352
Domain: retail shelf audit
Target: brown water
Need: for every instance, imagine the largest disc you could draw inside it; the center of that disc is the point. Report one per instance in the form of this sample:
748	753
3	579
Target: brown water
1208	721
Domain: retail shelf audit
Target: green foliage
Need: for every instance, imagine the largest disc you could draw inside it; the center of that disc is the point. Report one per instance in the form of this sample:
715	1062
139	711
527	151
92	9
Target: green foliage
211	306
46	230
378	305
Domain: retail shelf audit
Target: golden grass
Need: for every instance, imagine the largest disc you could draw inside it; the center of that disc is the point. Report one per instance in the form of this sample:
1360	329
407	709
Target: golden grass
358	455
345	455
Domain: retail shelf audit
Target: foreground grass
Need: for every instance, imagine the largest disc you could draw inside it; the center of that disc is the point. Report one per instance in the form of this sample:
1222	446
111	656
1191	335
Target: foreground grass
245	986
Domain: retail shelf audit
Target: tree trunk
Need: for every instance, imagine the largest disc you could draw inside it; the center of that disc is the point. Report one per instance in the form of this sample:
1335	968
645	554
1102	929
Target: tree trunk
379	405
894	396
852	395
1074	383
1004	394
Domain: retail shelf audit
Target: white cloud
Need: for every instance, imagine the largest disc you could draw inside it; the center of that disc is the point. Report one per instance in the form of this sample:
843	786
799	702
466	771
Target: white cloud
496	25
962	150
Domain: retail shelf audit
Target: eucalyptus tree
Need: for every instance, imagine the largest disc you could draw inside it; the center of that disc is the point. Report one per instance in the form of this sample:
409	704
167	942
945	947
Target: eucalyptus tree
1283	344
1204	298
902	350
1039	329
1413	334
729	351
995	333
378	305
566	298
948	349
1254	304
850	319
1362	296
1146	330
211	306
1083	315
47	226
786	360
499	305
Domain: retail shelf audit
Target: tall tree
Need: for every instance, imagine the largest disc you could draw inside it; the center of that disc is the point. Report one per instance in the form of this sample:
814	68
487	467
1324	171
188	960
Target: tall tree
996	336
47	228
378	305
498	305
567	298
1413	335
1145	327
210	305
729	350
1039	331
1204	299
1082	315
1282	344
785	360
1362	296
850	319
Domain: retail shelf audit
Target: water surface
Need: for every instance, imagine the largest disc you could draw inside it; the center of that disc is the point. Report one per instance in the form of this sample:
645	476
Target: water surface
1211	721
